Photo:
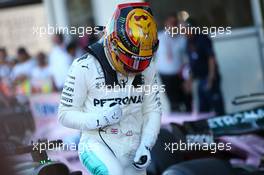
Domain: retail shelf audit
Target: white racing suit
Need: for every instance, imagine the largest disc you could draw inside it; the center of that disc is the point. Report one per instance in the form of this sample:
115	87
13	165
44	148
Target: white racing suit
83	98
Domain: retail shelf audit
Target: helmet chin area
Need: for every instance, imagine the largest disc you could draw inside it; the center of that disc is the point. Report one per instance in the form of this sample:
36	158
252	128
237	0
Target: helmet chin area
124	69
135	66
131	71
124	63
132	62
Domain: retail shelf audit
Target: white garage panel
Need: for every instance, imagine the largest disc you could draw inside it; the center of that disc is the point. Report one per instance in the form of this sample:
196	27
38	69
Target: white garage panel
240	64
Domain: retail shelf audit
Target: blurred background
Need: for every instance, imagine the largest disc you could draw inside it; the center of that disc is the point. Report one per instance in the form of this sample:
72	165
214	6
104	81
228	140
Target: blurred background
33	66
239	55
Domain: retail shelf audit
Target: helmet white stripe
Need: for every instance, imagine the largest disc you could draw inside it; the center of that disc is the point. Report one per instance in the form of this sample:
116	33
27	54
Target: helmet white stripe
136	64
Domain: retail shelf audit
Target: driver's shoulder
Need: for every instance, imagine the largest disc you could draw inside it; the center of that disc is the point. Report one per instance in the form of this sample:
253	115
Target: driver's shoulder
86	61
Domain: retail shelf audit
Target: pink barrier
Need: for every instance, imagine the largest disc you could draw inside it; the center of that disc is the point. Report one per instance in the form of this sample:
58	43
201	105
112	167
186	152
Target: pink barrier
44	108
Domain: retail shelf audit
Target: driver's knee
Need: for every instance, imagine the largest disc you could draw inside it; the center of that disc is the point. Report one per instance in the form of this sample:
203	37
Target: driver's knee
103	170
97	167
100	170
93	164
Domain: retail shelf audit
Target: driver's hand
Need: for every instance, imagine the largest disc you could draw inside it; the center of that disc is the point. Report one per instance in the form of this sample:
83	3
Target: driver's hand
112	113
142	158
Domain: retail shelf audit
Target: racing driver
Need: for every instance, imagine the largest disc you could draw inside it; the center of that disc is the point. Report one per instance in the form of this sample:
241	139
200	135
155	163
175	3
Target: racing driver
119	126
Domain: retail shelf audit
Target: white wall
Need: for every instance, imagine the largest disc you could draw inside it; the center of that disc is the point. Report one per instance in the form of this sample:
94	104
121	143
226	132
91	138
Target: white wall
18	26
239	59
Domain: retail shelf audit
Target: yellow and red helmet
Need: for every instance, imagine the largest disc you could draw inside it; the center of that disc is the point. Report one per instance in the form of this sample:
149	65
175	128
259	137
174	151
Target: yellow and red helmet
131	37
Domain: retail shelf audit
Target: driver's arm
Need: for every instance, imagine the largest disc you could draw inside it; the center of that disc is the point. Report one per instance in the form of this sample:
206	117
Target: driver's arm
73	97
151	114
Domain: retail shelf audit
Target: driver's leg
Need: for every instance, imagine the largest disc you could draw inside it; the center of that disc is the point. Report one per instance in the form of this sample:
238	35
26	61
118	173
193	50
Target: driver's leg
98	159
132	171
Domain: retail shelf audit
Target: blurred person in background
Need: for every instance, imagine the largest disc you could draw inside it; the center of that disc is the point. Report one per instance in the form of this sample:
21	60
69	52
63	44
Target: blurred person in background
59	61
169	65
205	73
22	70
74	50
88	39
41	77
5	69
5	84
21	73
71	49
